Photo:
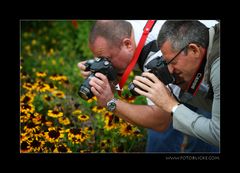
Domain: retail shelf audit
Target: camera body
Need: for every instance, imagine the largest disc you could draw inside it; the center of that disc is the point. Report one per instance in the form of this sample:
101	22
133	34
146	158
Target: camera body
160	70
101	65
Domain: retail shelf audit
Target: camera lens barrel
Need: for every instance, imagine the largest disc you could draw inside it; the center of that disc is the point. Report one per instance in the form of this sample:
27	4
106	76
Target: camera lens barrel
85	89
85	93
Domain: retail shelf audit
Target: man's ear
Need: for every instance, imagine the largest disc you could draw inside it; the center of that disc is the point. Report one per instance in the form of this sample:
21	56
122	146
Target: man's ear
195	49
128	43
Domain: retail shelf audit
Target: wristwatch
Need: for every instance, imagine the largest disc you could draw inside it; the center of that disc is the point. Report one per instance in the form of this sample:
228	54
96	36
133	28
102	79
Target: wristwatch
111	105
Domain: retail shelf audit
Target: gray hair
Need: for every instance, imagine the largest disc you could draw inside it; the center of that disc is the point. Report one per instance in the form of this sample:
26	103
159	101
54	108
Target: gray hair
114	31
182	33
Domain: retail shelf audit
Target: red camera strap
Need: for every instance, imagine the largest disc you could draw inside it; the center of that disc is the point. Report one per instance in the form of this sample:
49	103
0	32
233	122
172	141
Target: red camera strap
148	27
197	78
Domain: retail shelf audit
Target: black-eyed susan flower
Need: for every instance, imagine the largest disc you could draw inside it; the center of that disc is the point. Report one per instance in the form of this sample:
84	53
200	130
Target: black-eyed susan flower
54	134
126	129
52	87
27	98
64	120
23	75
105	144
137	133
62	77
47	98
76	135
28	86
83	117
54	113
24	117
41	87
94	98
36	145
27	108
109	121
31	128
89	130
53	77
62	148
37	119
48	123
77	112
41	74
58	77
24	147
99	109
59	94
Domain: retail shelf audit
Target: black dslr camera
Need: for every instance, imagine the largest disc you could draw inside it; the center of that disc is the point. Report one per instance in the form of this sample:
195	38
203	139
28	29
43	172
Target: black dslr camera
101	65
159	69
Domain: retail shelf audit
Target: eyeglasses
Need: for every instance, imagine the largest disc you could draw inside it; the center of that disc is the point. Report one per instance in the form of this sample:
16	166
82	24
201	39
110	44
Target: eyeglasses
167	63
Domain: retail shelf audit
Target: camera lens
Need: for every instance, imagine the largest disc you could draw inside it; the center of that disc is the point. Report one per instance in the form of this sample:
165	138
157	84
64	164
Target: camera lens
85	93
84	89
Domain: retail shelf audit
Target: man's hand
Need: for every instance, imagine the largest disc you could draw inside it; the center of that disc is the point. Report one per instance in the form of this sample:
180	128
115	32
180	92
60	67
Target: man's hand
82	67
101	89
154	89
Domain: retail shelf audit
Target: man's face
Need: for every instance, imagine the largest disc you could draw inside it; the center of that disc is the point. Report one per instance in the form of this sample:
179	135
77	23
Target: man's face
119	56
182	65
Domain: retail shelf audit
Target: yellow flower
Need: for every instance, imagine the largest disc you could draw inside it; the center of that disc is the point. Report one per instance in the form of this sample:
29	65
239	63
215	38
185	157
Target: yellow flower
62	148
34	42
64	120
54	114
59	94
94	98
83	117
27	98
77	112
41	87
126	129
27	108
110	121
41	74
49	123
28	86
54	134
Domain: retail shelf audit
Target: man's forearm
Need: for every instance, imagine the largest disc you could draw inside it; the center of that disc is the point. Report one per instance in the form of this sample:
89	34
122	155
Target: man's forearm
143	115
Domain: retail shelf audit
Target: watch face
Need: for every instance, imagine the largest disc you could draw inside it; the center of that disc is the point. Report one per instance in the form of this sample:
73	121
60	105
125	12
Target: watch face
111	105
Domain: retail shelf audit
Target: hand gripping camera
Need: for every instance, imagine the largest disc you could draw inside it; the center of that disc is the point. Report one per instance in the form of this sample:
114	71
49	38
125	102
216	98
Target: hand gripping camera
160	70
101	65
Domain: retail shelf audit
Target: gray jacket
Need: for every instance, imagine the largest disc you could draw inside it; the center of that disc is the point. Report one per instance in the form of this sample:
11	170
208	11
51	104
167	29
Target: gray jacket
191	123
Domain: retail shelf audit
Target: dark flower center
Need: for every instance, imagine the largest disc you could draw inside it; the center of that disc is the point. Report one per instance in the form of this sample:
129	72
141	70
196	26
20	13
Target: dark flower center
54	134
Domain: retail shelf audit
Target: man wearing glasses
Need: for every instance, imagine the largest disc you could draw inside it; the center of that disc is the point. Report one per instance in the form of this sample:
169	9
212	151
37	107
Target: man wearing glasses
191	53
